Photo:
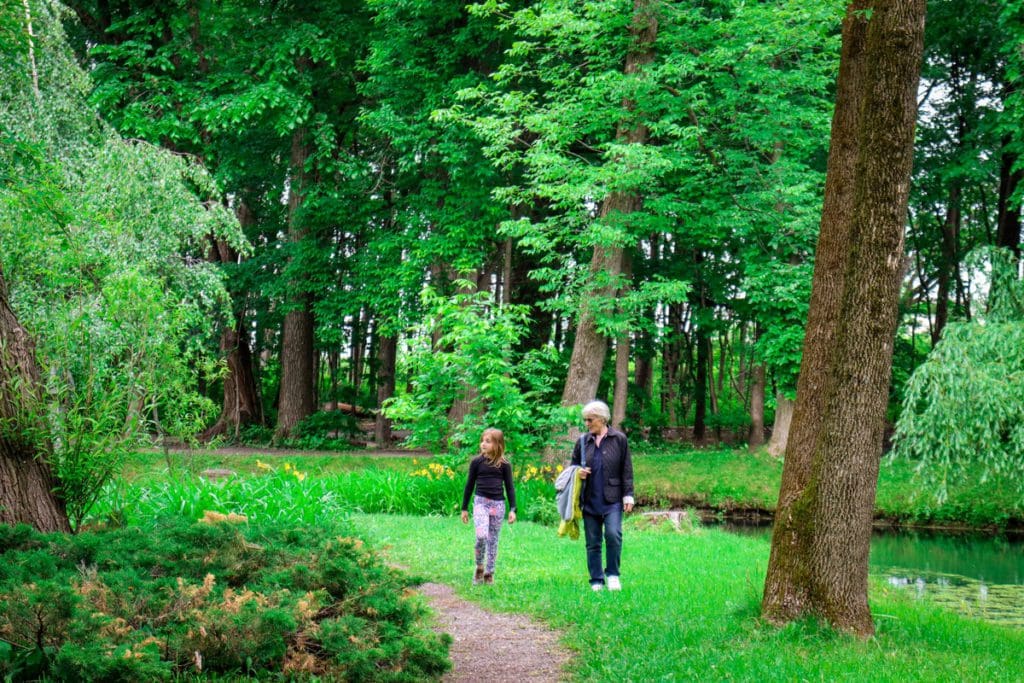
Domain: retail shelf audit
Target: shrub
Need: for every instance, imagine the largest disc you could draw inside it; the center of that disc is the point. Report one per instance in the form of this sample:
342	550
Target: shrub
178	597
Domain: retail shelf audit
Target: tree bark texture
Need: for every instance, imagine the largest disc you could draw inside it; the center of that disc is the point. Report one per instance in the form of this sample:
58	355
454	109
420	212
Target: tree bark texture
819	556
28	491
297	398
590	346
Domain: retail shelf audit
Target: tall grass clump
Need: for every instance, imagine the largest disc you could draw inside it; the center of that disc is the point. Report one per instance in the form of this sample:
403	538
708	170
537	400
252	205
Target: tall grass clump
285	493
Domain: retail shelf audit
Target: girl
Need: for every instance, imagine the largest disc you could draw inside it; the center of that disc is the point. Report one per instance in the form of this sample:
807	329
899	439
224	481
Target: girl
489	472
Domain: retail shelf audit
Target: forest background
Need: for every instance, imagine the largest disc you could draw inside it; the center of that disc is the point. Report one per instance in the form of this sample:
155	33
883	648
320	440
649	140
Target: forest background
226	220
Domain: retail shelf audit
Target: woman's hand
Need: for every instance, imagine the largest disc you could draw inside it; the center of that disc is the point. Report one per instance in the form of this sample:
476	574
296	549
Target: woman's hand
465	517
584	471
512	517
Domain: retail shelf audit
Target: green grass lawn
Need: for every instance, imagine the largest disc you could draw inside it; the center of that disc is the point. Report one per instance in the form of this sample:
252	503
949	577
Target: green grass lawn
689	610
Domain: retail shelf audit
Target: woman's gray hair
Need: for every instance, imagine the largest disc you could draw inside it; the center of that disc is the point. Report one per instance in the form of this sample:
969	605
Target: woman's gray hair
597	409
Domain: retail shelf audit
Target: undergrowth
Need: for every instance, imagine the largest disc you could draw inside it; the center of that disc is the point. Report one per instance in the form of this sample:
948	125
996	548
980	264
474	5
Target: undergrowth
224	597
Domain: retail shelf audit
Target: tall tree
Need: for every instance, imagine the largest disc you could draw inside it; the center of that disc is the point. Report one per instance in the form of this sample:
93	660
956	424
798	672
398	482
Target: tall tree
819	557
591	344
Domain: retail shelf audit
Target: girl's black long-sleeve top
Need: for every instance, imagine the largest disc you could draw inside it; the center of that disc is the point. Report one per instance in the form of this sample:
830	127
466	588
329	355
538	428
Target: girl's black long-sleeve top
489	481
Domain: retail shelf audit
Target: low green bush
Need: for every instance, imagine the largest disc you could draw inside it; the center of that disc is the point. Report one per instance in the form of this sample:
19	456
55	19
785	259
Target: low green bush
222	596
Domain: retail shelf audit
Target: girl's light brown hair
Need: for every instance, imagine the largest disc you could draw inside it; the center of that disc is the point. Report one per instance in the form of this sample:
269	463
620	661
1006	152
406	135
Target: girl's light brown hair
498	439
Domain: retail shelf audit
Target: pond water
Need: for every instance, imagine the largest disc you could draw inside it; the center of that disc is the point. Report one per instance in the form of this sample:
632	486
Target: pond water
977	575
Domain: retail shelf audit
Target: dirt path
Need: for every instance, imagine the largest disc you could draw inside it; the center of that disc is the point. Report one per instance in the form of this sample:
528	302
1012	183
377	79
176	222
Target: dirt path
495	647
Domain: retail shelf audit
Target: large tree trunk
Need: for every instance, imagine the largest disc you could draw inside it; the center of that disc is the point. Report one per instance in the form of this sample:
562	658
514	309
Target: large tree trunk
819	555
1009	232
242	405
590	347
298	379
27	488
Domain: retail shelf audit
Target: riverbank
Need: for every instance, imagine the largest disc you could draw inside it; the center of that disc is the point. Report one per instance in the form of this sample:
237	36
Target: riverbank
740	485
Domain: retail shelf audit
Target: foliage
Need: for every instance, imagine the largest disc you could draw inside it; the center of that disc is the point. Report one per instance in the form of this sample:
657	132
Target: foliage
219	596
103	241
327	429
476	350
964	408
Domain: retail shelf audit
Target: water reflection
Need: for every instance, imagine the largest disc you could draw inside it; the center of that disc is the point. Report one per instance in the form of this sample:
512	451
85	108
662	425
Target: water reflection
981	576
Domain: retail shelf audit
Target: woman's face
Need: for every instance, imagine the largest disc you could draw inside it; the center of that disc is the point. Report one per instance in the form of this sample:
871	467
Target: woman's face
594	423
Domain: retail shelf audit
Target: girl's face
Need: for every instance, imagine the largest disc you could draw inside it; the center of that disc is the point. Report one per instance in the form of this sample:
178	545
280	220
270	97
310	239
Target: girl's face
487	444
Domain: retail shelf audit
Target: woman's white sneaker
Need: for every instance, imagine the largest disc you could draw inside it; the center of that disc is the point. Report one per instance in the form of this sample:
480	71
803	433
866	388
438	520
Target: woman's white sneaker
614	584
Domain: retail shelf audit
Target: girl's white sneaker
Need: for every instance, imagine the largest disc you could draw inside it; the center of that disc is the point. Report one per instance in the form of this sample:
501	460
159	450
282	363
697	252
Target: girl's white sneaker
596	587
614	584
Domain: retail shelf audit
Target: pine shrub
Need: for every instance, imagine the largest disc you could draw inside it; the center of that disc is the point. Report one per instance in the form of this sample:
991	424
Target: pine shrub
178	598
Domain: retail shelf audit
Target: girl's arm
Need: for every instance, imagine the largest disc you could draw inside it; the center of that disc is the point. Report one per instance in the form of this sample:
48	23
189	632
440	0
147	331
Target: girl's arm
470	483
510	491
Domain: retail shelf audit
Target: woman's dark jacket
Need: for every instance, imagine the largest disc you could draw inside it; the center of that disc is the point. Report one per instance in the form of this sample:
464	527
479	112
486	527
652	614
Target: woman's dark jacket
618	464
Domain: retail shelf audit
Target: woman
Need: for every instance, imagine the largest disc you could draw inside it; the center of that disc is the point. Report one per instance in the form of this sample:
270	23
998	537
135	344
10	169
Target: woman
603	453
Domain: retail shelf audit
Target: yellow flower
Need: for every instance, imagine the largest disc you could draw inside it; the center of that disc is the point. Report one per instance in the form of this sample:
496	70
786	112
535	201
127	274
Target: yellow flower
263	465
301	476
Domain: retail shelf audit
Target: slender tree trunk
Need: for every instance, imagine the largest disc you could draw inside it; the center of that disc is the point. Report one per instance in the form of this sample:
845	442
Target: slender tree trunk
947	264
819	556
28	491
386	357
31	49
700	386
671	361
620	394
590	346
757	386
298	378
781	427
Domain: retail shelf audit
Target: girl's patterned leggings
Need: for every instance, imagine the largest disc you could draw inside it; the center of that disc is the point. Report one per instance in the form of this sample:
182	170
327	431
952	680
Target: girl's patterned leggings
487	518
